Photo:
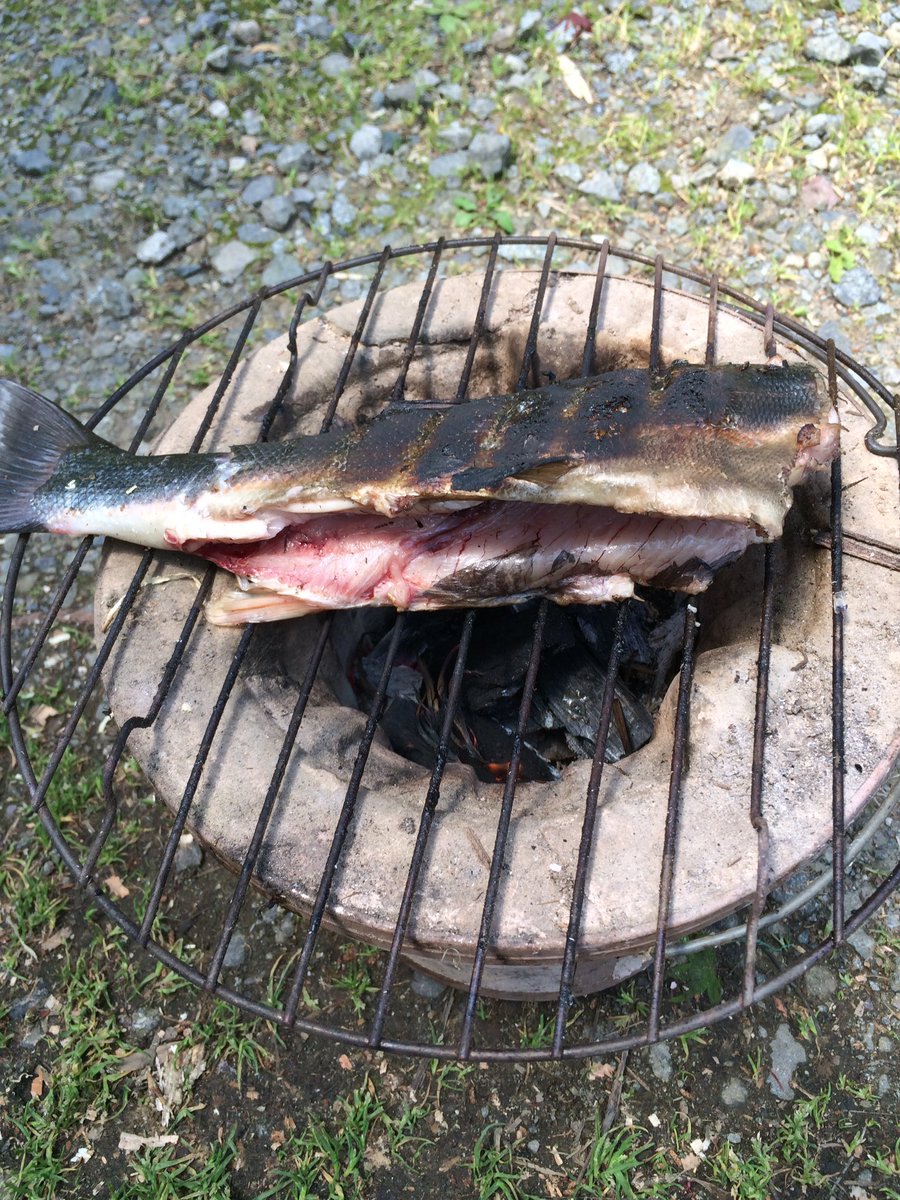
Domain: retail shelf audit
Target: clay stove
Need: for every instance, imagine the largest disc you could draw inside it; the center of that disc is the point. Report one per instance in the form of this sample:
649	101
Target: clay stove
535	890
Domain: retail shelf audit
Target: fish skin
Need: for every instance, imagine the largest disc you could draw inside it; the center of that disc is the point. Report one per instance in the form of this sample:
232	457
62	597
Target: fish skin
712	442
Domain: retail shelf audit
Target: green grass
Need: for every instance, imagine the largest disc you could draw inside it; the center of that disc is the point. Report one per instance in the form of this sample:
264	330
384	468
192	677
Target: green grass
167	1173
329	1156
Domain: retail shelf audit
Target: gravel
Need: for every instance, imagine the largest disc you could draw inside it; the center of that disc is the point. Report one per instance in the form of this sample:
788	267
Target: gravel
366	142
490	153
602	186
787	1055
258	190
643	179
155	249
857	288
278	211
828	47
231	260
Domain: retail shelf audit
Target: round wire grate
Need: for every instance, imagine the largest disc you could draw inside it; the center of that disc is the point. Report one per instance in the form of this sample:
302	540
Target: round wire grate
809	912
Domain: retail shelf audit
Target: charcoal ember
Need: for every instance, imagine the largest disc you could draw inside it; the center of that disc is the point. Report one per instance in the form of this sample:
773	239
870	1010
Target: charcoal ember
565	712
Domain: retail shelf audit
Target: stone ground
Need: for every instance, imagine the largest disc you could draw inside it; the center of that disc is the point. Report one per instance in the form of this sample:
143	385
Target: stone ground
160	162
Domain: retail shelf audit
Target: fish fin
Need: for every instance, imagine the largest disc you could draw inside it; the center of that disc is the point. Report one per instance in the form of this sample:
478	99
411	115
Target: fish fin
239	607
548	472
34	435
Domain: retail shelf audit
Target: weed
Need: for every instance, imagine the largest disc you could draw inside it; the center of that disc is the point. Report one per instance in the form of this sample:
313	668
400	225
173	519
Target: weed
229	1035
840	257
475	209
338	1152
699	974
494	1173
613	1158
168	1173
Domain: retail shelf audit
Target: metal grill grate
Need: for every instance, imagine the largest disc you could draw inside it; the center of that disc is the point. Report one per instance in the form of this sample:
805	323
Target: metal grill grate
288	1011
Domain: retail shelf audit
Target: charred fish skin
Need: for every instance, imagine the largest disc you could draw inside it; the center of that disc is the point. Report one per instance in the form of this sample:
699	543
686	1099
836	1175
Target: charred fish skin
714	442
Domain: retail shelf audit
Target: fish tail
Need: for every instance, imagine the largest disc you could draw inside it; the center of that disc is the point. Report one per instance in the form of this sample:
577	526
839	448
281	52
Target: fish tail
34	435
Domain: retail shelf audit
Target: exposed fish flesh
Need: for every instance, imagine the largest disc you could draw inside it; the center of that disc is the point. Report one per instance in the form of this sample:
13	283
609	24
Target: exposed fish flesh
575	490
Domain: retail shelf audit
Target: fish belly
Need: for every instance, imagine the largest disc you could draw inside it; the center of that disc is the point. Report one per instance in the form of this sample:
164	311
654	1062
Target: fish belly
492	553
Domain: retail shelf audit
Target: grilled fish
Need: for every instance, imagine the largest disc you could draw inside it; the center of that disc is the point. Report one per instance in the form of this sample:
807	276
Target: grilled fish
576	490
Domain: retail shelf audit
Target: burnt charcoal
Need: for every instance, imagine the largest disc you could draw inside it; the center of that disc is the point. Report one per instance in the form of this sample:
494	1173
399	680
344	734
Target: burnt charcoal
490	751
565	712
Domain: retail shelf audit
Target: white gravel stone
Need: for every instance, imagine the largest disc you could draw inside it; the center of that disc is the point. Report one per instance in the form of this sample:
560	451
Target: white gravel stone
155	249
218	109
735	173
734	1092
105	182
643	179
601	185
828	47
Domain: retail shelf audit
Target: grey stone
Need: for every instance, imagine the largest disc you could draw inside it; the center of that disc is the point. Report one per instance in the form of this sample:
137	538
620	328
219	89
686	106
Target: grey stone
643	179
735	173
155	249
343	213
32	162
787	1055
569	171
400	93
282	267
734	1093
823	123
112	298
858	288
455	135
734	143
448	166
218	109
426	987
423	78
828	47
105	182
231	260
278	211
820	983
528	20
482	107
174	43
247	31
20	1008
870	79
862	941
868	234
315	25
869	48
602	186
251	122
333	66
188	855
218	59
837	333
366	142
256	235
660	1059
236	954
490	153
144	1021
258	189
298	156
